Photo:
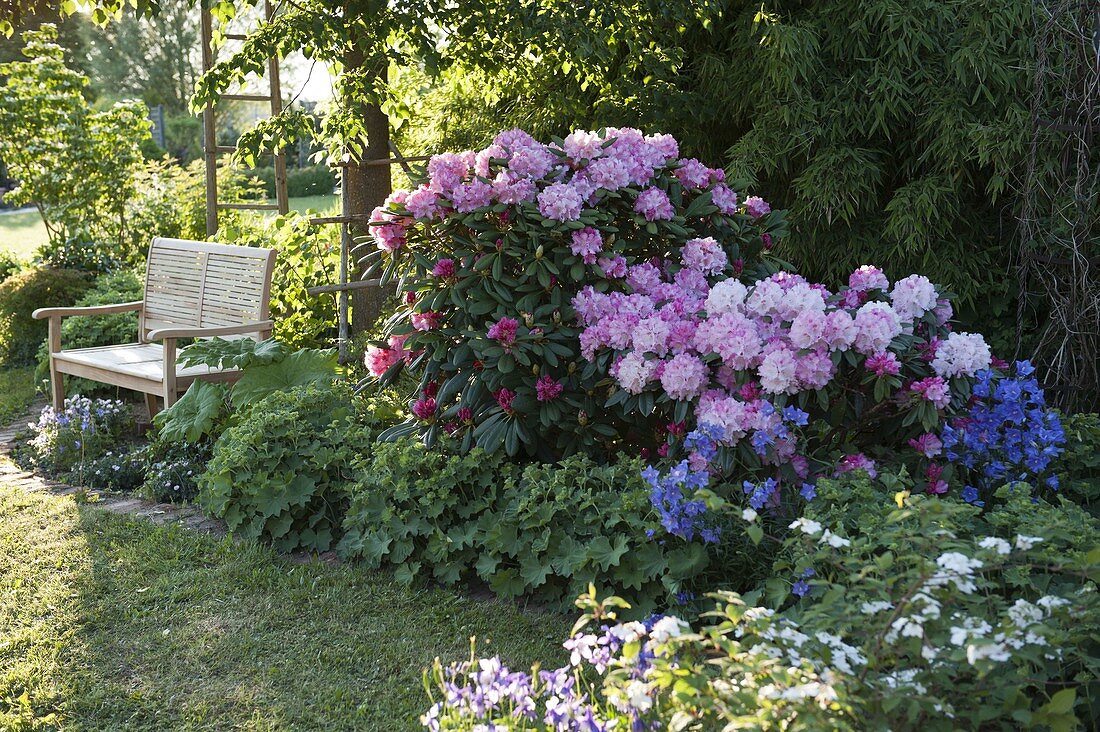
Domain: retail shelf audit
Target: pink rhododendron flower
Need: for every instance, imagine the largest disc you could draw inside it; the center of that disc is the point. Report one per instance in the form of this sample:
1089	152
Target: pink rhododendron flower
724	198
913	296
857	461
877	325
532	161
755	206
613	267
510	188
932	389
609	173
586	243
961	354
654	205
426	321
465	414
547	389
504	331
423	203
684	376
424	409
643	278
560	202
651	336
868	278
840	331
692	173
814	370
927	444
386	229
728	296
446	171
580	145
633	372
778	372
444	268
471	196
705	255
379	360
504	398
884	363
808	329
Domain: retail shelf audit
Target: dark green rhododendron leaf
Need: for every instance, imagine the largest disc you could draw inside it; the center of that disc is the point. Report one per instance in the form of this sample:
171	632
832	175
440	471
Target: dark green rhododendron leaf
195	414
298	369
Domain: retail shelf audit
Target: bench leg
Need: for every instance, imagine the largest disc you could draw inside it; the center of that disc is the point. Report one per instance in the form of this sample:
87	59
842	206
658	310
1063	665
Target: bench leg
152	405
57	387
57	380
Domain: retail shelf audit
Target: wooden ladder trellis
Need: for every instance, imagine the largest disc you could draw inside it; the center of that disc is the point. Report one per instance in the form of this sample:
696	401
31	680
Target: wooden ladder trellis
211	148
345	220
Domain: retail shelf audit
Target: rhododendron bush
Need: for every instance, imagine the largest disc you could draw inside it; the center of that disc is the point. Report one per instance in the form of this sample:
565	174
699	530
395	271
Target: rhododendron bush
784	379
493	247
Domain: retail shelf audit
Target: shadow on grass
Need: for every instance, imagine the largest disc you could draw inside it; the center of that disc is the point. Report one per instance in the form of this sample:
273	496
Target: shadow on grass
131	626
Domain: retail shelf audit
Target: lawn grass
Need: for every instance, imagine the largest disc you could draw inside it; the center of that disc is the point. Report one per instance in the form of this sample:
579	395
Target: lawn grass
22	233
113	623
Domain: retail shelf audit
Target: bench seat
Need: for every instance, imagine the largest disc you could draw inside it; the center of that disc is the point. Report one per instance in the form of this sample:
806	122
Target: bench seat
129	363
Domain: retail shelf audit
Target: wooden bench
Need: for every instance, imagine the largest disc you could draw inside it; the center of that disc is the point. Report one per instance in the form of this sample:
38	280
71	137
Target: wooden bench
192	290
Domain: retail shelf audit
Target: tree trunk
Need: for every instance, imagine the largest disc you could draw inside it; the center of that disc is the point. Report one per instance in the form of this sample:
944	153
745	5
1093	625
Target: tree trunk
368	186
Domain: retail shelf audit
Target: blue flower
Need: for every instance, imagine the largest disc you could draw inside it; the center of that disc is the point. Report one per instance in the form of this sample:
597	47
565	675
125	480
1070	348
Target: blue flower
970	495
808	491
801	588
794	415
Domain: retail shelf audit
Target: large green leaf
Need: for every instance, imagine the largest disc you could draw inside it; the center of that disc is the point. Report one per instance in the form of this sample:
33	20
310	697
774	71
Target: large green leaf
195	414
297	369
232	354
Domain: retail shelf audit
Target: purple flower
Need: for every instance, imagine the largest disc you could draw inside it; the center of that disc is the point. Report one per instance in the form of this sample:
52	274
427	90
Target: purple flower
444	268
560	202
504	330
654	205
547	389
755	206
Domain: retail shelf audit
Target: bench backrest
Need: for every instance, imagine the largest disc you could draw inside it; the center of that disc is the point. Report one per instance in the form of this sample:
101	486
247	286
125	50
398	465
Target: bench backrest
201	284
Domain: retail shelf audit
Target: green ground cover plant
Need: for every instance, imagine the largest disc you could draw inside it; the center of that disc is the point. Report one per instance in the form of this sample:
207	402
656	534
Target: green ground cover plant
108	623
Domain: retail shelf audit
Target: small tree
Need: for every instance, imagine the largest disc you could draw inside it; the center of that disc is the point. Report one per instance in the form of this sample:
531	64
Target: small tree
76	165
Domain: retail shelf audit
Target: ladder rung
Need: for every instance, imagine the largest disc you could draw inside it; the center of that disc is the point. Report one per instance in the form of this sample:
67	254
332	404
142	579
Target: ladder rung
225	149
236	36
350	219
250	206
247	97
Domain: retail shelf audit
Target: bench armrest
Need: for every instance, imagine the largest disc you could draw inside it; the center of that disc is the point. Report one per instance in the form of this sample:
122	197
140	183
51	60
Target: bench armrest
124	307
254	326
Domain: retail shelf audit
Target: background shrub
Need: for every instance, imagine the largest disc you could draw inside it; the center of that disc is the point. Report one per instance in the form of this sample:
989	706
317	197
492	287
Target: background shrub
125	285
9	265
281	473
313	180
20	334
308	257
